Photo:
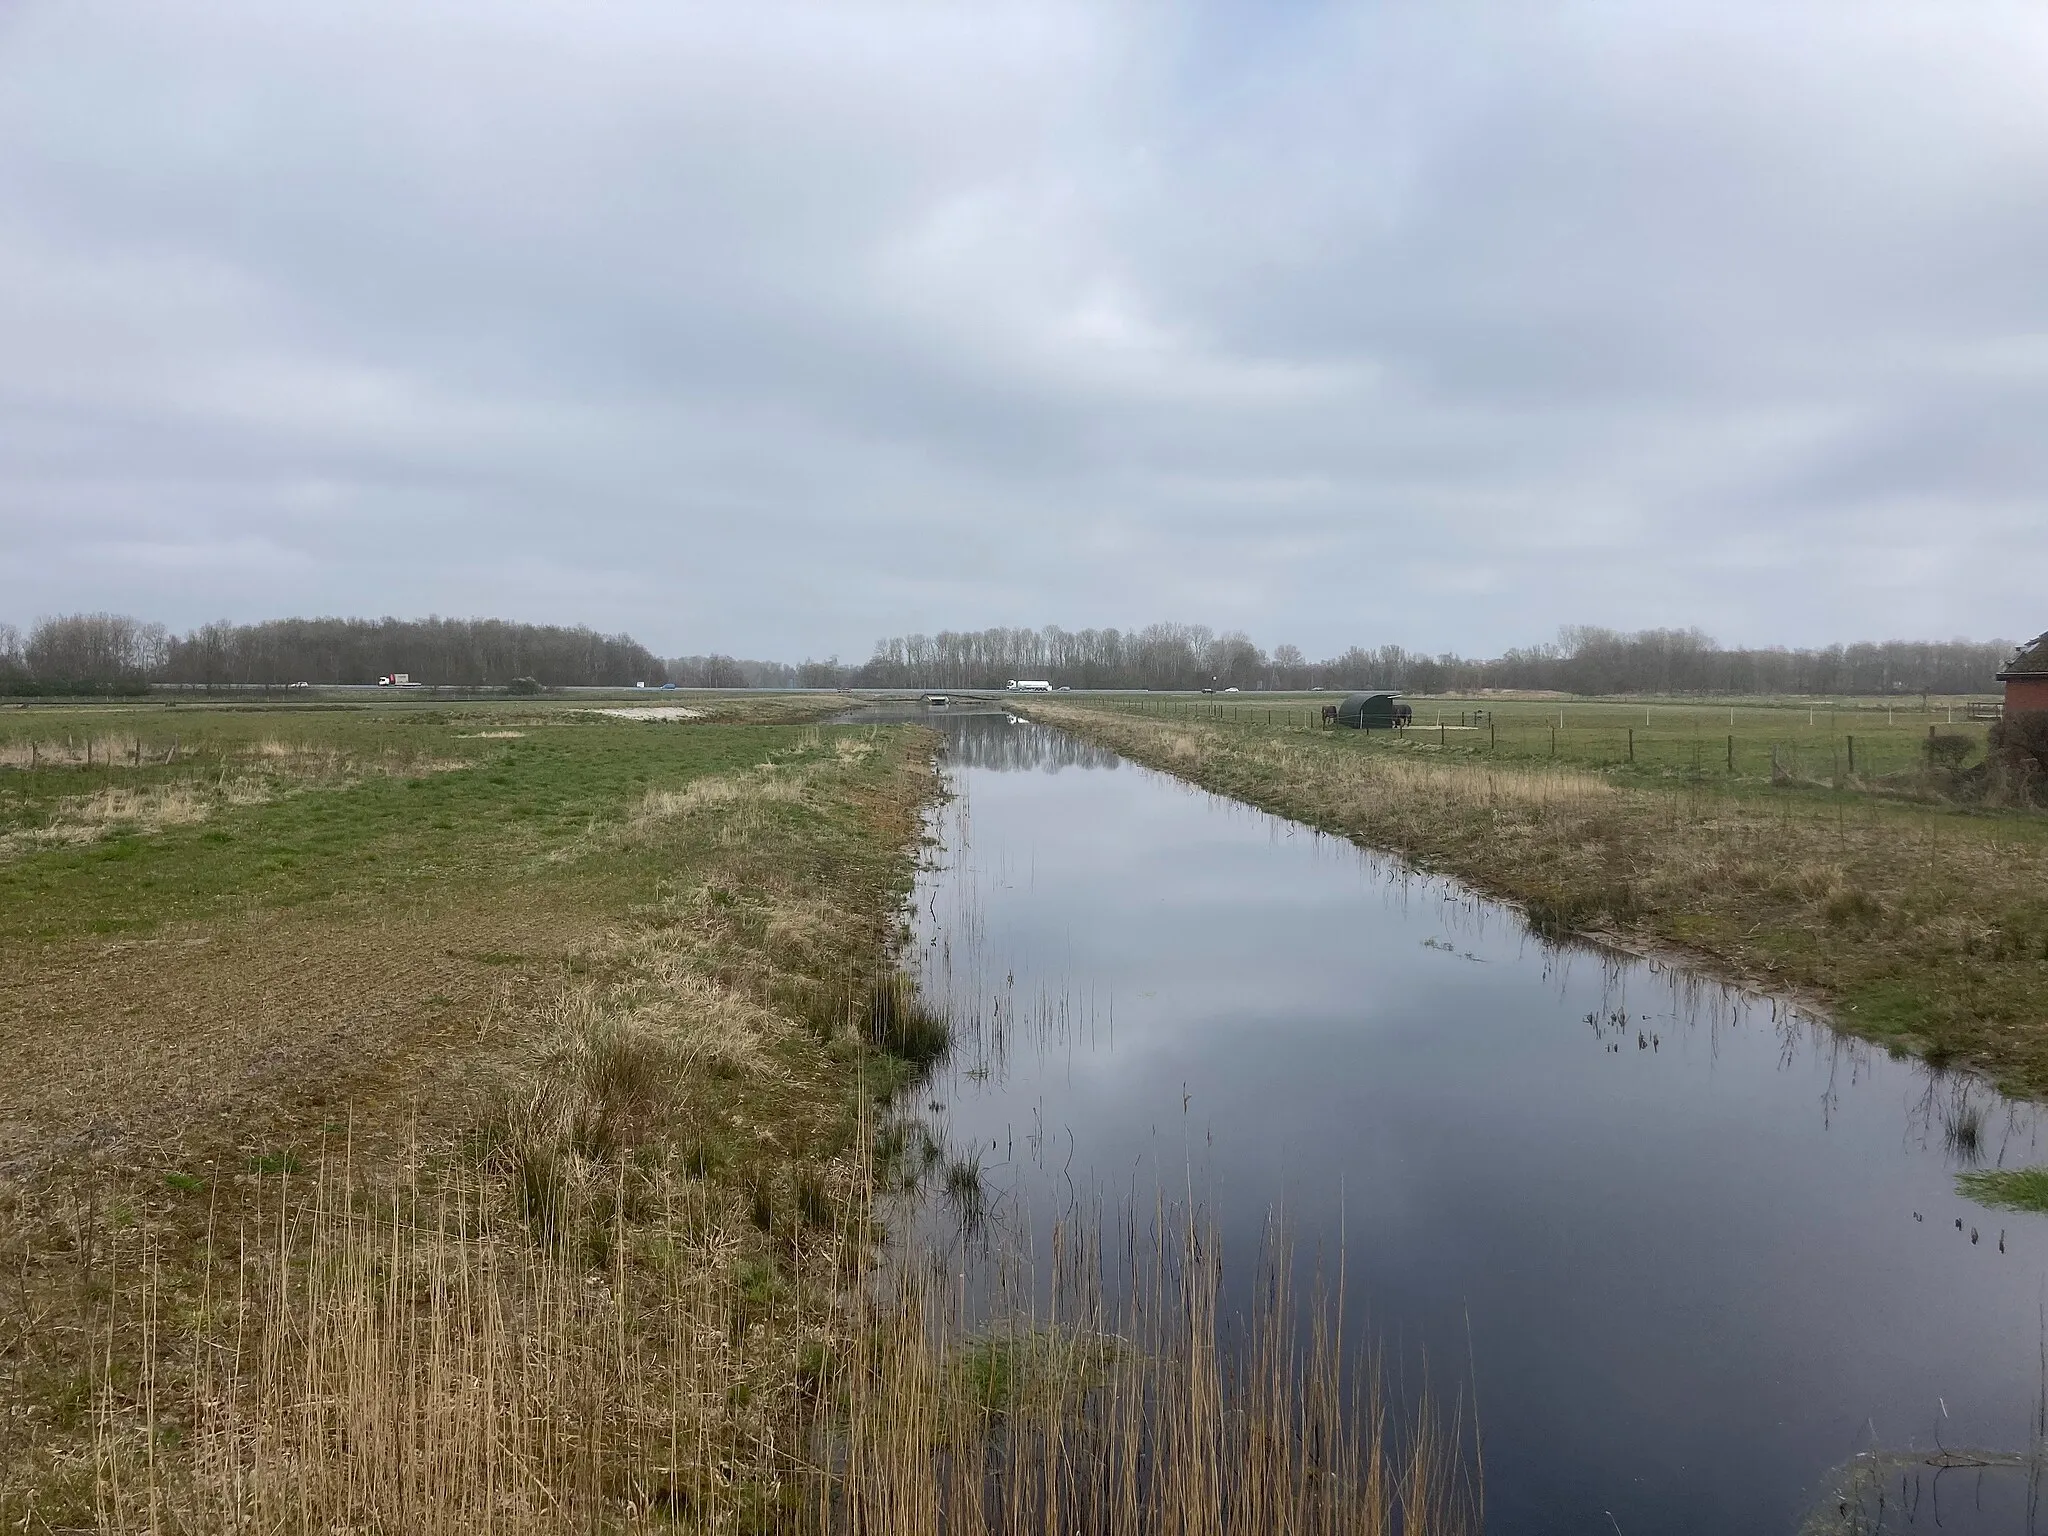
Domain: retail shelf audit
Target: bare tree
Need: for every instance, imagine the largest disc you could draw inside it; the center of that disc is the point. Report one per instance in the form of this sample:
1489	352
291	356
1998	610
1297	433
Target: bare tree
95	648
474	652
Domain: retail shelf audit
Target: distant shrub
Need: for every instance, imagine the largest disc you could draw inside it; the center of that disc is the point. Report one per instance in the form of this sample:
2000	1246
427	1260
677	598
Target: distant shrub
524	685
1948	751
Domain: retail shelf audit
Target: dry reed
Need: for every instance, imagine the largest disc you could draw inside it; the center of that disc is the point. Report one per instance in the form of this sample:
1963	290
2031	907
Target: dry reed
420	1363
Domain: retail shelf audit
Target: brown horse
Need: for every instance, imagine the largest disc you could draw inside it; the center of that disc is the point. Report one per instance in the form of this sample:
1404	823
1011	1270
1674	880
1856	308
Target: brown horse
1329	714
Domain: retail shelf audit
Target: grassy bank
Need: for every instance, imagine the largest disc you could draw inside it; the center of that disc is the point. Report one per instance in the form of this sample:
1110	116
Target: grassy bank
1918	925
569	991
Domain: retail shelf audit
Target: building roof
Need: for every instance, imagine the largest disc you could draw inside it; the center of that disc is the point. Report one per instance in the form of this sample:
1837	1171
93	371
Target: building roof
2030	660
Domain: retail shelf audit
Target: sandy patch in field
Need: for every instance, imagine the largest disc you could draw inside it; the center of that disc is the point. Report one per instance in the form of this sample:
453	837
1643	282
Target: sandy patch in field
661	712
492	736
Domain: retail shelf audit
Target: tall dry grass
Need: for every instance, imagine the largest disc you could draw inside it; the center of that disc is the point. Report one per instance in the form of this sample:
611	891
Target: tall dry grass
104	749
424	1364
1138	1407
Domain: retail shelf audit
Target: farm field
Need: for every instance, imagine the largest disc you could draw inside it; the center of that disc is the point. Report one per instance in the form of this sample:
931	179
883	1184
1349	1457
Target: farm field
1912	920
268	970
1655	739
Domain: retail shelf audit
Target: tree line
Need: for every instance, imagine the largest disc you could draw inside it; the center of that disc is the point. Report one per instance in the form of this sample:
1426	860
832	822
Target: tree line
1582	660
105	652
100	652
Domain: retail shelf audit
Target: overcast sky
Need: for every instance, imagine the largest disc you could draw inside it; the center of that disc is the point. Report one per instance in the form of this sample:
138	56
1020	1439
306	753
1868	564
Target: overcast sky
775	329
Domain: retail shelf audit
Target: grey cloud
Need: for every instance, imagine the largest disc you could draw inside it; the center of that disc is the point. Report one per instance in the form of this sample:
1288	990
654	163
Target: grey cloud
778	328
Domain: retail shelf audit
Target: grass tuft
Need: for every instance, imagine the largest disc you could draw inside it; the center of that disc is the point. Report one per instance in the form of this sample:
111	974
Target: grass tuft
2006	1189
900	1022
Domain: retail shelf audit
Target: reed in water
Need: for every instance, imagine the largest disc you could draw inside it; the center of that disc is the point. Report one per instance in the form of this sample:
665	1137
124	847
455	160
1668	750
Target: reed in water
437	1363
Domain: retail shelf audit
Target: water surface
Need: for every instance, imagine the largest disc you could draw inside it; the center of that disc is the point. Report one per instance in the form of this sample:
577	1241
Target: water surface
1690	1249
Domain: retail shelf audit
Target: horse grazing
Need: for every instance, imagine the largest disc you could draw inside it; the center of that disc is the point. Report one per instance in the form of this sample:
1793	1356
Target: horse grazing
1329	714
1403	714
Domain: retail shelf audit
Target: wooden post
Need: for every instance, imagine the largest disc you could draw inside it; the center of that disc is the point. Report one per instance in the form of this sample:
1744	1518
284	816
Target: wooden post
1852	754
1731	754
1631	743
1492	736
1553	741
1440	730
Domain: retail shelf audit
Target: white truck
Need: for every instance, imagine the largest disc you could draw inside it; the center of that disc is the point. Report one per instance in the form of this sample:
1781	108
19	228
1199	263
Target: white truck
1026	685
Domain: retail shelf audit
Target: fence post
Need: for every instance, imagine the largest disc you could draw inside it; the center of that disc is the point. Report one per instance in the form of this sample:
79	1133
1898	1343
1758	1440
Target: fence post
1631	743
1553	741
1492	735
1852	754
1731	754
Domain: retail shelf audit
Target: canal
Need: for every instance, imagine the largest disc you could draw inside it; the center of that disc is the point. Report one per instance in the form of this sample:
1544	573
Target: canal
1688	1251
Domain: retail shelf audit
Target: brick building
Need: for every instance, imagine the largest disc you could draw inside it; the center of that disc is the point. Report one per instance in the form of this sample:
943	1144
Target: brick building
2026	678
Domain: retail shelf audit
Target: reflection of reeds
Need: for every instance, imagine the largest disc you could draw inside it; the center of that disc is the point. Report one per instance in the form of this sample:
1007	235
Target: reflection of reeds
1955	1101
967	1191
1962	1131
